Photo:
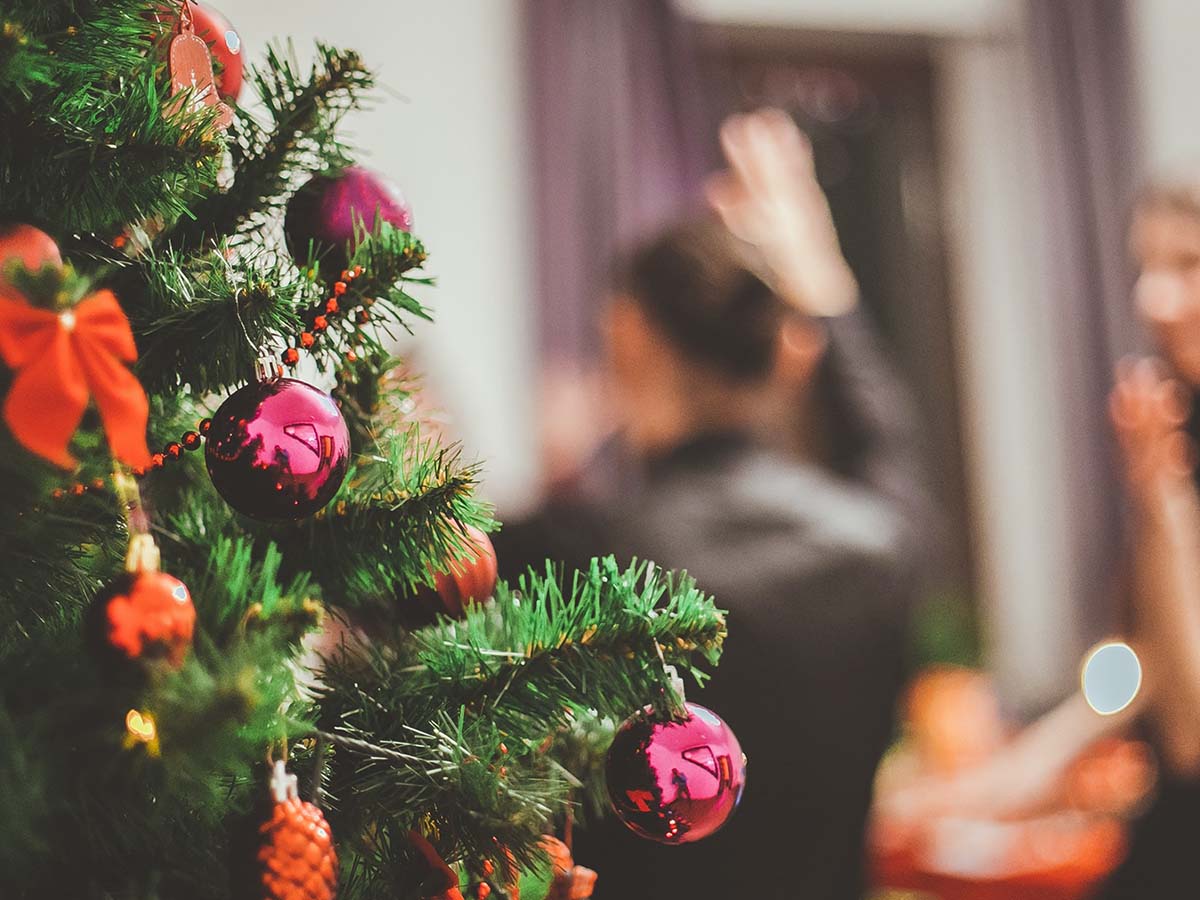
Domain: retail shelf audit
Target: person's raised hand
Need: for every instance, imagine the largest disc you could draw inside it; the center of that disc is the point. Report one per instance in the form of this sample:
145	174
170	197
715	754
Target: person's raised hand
1148	409
770	198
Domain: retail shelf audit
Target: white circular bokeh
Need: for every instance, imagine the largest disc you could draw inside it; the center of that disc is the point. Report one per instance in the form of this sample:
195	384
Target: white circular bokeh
1112	677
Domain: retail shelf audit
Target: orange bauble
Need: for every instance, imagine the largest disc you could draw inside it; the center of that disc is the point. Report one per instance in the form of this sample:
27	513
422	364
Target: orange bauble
143	617
571	882
472	578
297	860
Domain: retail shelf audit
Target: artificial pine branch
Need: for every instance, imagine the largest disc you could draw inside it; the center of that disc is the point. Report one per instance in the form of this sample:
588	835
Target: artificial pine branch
404	507
93	91
518	670
202	320
471	732
24	66
304	112
624	622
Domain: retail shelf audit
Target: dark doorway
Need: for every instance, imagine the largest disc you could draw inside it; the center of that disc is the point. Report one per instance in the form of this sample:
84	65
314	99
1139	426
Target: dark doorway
867	103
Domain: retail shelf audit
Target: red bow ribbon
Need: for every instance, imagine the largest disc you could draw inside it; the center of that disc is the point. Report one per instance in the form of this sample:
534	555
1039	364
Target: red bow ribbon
61	359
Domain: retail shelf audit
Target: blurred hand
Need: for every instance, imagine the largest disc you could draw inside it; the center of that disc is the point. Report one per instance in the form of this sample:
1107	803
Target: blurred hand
770	198
577	416
1148	409
1167	303
1003	788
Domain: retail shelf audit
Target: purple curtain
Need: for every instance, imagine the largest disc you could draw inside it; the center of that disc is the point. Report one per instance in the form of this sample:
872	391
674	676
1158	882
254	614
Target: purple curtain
620	140
1083	78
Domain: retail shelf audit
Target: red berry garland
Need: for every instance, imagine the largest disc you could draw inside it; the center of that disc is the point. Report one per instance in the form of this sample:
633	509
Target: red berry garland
193	440
297	860
320	318
330	309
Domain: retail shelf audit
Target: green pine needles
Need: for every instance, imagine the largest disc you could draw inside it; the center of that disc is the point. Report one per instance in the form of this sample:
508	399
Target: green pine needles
477	733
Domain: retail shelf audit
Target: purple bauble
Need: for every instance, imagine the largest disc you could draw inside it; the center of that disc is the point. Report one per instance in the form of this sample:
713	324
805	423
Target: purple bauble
323	212
675	781
278	449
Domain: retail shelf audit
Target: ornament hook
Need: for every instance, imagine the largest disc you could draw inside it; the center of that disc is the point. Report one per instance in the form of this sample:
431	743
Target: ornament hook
143	555
267	369
187	22
283	785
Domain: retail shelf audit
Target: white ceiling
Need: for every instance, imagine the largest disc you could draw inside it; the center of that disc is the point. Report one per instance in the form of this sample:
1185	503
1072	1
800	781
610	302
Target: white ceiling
938	17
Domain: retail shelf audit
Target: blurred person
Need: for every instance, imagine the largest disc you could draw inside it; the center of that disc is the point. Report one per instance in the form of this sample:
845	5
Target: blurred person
717	328
1156	435
1150	408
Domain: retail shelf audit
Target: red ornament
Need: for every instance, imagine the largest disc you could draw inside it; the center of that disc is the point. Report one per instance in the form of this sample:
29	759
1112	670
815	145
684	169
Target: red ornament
145	616
323	214
472	578
60	359
278	449
226	47
675	782
29	246
297	860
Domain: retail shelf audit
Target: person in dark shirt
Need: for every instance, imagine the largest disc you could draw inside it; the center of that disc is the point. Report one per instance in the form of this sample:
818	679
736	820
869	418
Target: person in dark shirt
710	322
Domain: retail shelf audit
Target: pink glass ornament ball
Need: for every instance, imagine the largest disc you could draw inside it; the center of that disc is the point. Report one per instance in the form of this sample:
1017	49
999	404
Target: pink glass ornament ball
675	782
323	213
278	449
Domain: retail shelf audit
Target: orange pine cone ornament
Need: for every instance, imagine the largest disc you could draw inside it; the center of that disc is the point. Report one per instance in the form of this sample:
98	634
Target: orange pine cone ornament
297	859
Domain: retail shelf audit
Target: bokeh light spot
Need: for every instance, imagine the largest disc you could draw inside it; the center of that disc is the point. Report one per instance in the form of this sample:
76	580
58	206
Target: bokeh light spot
1112	677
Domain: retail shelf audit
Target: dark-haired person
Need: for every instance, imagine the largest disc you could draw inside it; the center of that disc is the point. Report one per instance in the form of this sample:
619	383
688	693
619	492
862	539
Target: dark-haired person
714	328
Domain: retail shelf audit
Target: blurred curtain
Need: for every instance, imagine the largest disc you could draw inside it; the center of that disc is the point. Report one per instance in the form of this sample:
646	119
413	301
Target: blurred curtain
1083	81
620	142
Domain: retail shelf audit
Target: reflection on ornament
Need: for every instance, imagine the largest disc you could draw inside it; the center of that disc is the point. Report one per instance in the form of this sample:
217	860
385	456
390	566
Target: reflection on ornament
675	781
1111	677
278	449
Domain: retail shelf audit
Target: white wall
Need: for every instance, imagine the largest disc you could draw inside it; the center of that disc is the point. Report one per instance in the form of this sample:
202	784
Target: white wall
454	142
1012	437
1166	34
934	17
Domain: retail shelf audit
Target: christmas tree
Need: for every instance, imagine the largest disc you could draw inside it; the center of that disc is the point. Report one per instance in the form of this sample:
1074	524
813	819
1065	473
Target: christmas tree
209	456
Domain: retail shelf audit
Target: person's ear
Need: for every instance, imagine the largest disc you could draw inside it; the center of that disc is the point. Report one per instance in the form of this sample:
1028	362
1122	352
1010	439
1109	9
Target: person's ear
627	334
800	345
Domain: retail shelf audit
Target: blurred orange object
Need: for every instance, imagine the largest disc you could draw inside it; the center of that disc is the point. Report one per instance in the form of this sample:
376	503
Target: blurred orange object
1112	777
953	718
939	829
1057	857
